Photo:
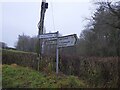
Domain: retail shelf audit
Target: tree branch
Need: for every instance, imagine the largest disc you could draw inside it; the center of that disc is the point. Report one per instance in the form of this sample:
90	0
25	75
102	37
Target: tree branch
113	10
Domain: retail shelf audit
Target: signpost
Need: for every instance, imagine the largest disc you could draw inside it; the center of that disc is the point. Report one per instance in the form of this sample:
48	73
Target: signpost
48	35
64	41
51	42
52	38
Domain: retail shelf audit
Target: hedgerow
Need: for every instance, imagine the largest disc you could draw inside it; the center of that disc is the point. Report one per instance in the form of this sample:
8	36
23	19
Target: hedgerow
98	71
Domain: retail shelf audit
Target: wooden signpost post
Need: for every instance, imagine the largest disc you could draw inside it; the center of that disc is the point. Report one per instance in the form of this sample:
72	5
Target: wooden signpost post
44	6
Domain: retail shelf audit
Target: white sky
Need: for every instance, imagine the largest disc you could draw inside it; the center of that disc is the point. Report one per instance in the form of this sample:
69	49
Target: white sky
23	16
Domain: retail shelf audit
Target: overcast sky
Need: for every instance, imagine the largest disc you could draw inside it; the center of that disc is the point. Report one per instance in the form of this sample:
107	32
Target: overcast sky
67	17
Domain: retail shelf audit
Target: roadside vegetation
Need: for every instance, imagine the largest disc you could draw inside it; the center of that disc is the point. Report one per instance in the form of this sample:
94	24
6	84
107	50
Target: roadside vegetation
15	76
98	72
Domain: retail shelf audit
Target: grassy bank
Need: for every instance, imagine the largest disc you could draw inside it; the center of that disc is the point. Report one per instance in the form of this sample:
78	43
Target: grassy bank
15	76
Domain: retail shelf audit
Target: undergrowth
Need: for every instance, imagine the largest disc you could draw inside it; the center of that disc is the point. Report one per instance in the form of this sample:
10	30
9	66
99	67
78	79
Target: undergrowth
14	76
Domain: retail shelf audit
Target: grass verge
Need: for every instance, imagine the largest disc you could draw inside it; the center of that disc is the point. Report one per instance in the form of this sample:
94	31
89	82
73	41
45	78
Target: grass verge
14	76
